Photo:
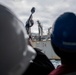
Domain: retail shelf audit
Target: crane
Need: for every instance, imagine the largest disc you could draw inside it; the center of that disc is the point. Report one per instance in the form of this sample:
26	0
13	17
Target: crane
40	29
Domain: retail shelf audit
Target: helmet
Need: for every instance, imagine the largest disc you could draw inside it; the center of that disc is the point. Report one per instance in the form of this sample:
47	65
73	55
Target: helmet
15	54
64	32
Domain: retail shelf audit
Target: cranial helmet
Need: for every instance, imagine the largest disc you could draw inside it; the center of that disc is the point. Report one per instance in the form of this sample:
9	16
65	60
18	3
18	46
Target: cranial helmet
15	54
64	32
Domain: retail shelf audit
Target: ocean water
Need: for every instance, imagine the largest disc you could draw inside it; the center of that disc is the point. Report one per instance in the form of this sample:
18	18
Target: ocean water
56	63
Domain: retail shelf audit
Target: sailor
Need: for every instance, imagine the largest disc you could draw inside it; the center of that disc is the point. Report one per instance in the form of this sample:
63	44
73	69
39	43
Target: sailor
15	54
63	41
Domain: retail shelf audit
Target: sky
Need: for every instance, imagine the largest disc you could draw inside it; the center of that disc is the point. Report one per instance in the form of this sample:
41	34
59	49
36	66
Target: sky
46	11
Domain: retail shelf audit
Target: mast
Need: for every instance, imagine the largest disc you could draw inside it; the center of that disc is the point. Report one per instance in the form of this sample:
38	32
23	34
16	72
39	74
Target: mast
30	22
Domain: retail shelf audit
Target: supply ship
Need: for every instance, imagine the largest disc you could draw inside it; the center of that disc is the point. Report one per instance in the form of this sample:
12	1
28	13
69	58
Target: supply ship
43	42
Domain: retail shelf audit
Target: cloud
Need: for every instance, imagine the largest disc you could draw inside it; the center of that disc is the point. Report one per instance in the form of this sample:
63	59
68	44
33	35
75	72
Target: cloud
46	11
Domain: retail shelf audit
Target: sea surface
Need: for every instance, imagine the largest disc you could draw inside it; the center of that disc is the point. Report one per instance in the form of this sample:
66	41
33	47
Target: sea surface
56	63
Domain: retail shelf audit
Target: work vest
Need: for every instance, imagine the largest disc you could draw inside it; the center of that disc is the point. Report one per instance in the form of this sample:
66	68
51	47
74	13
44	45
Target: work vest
73	73
64	70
